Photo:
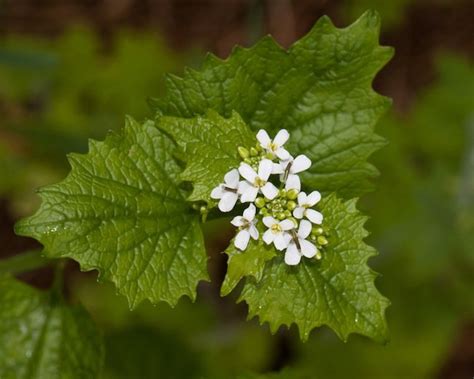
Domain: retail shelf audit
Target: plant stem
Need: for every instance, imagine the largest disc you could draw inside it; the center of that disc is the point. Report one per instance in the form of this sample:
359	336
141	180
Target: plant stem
27	261
58	282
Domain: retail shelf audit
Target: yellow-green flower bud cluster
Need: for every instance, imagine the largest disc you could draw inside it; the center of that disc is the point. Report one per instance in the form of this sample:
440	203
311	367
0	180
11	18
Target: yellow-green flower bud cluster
281	207
319	236
254	155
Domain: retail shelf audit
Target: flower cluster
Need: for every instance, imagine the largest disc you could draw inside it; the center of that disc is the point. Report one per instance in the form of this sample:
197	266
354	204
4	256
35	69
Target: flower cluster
286	212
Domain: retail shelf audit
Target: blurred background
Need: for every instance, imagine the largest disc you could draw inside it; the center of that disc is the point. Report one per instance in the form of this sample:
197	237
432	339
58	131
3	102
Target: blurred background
71	69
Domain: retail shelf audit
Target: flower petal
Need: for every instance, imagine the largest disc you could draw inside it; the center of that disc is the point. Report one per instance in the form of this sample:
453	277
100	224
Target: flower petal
287	237
249	195
304	229
292	255
217	192
249	213
268	237
280	242
299	212
270	191
287	224
278	168
232	178
301	163
253	232
243	186
281	137
282	153
308	249
313	198
302	199
263	138
314	216
228	201
268	221
265	168
293	182
242	239
237	221
247	172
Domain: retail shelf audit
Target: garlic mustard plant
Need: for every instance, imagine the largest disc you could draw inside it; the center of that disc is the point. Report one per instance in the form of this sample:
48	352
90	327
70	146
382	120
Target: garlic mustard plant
218	145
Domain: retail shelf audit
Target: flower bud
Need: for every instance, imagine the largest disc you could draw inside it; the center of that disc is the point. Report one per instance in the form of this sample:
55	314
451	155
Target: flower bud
291	205
282	193
317	231
243	152
253	152
287	213
260	202
281	215
264	211
318	255
292	194
322	240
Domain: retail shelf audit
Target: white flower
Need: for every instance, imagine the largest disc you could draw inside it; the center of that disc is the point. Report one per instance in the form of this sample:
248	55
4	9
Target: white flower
277	232
246	224
276	146
227	192
254	182
305	202
299	246
290	167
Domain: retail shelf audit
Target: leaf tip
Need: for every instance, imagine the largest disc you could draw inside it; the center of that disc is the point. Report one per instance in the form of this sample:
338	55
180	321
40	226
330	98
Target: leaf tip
129	121
227	287
370	19
324	22
21	227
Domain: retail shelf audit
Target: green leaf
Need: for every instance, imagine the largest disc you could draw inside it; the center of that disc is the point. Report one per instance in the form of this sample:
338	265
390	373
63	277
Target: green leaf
121	211
142	352
41	337
209	147
337	291
250	262
320	90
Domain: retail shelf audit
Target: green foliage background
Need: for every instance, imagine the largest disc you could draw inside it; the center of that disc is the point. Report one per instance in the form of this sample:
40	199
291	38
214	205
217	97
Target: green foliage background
55	95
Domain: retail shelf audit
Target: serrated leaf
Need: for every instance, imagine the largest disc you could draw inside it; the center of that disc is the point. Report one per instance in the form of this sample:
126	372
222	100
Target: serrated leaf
41	337
121	211
320	90
250	262
337	291
209	147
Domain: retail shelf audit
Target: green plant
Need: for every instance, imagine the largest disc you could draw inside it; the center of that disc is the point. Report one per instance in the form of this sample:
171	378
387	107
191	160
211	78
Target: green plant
132	207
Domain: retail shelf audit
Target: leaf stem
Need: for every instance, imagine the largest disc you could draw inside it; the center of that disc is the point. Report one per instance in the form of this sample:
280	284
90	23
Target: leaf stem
27	261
